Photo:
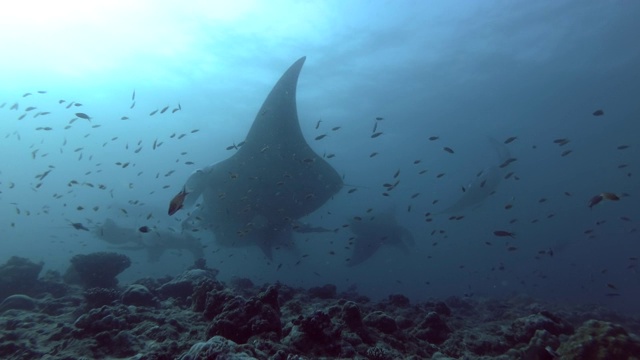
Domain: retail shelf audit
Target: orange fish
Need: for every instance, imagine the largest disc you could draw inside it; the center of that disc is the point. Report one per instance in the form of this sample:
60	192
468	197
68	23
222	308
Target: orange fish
177	202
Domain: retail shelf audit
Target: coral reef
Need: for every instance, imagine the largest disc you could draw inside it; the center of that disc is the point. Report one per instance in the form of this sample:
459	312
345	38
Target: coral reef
600	340
18	302
18	276
98	269
195	316
138	295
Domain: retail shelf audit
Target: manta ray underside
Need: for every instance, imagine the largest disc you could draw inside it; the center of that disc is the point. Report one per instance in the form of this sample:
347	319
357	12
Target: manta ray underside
274	179
372	232
484	184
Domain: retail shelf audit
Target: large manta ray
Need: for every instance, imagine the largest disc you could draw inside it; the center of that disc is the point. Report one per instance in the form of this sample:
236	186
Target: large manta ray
275	178
373	232
485	183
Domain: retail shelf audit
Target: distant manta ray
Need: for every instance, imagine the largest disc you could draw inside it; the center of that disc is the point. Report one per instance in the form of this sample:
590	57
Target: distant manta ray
373	232
484	184
256	196
155	242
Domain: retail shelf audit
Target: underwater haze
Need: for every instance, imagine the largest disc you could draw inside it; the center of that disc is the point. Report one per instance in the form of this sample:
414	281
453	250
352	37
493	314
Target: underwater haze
502	135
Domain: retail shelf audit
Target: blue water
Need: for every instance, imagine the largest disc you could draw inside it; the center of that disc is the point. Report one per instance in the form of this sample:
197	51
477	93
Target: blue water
461	71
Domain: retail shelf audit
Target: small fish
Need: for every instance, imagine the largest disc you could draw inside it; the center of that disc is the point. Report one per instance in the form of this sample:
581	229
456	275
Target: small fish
153	112
177	202
595	201
351	191
566	152
318	124
164	109
335	128
379	118
79	226
602	196
598	112
320	137
133	96
503	233
143	229
434	138
373	154
132	105
375	135
83	116
510	139
507	162
622	147
448	149
30	108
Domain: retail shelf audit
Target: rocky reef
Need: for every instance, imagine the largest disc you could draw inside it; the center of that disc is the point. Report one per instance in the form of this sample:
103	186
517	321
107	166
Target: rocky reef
196	316
97	269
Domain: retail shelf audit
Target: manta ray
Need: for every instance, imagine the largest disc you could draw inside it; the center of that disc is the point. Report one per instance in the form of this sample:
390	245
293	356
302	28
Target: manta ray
256	196
373	232
485	183
155	242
